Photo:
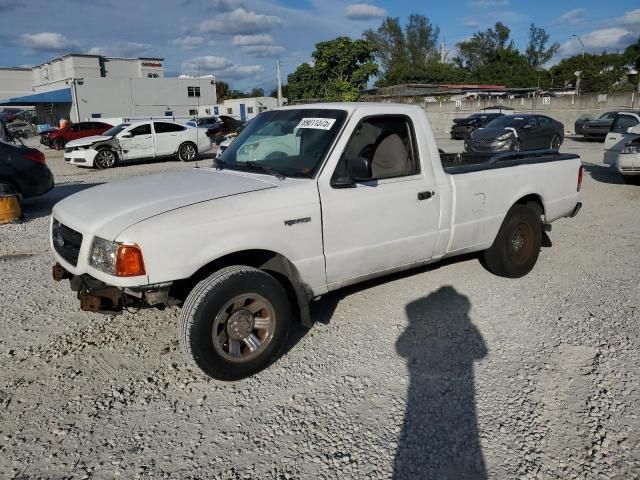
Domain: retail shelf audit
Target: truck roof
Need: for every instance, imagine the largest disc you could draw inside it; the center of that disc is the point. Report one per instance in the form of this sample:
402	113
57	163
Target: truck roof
353	106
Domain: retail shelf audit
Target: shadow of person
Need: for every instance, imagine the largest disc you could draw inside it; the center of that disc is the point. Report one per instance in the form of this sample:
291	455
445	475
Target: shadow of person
439	439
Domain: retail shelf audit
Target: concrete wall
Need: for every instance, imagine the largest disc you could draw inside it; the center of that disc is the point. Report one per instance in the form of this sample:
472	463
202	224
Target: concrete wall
565	109
15	82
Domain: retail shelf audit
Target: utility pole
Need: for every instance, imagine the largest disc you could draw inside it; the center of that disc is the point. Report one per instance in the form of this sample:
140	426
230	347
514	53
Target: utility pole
581	43
279	82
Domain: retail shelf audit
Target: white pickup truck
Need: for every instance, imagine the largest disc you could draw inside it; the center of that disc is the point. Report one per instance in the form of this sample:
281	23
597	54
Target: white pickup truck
306	200
137	140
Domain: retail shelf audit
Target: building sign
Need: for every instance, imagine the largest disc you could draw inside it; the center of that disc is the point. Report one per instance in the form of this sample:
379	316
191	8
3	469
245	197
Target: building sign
546	100
151	64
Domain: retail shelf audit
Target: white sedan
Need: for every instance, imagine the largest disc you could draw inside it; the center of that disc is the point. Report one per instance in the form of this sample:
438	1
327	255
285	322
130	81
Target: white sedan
138	140
622	146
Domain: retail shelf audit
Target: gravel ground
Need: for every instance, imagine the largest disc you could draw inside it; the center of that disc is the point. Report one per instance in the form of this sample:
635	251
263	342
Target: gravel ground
442	372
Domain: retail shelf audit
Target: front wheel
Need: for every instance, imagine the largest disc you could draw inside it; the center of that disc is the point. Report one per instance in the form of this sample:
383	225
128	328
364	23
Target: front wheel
105	158
516	146
516	248
235	322
59	143
555	142
187	152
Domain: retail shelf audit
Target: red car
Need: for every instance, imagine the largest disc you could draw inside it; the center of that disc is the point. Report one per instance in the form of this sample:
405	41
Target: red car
58	138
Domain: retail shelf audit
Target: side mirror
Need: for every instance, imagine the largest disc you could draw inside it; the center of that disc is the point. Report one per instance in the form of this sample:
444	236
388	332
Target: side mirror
126	135
635	130
360	169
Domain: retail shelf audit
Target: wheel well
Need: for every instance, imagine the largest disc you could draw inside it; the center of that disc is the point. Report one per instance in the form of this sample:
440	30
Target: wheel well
532	201
275	264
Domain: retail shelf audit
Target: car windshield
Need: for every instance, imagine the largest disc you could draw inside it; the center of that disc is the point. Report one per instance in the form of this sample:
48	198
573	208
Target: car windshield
506	121
116	130
291	142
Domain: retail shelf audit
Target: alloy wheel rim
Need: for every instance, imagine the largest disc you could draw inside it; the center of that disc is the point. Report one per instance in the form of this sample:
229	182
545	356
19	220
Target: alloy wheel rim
188	152
555	143
105	159
243	328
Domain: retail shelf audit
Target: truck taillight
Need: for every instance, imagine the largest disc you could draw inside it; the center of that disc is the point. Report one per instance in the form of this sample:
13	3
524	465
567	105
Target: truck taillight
35	156
580	175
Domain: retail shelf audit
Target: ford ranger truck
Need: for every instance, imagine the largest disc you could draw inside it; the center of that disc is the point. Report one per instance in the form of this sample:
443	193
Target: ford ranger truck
307	199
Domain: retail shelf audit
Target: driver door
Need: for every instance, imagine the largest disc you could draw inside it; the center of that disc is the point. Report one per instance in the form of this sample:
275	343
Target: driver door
618	136
531	134
137	142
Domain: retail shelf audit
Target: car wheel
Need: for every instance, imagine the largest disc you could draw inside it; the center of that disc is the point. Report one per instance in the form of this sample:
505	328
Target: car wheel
516	146
555	142
235	322
187	152
631	179
59	143
515	250
105	158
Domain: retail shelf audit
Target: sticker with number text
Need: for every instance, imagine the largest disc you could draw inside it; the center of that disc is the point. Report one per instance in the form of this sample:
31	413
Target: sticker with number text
318	123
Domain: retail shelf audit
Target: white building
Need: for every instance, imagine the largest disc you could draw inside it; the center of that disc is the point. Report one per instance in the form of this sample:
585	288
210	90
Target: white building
243	108
81	87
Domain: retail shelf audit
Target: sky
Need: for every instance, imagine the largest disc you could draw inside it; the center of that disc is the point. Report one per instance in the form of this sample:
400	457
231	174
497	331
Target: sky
238	40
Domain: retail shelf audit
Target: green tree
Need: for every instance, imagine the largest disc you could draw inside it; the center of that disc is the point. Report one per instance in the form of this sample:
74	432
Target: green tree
223	91
342	67
537	52
408	55
483	47
603	73
285	91
257	92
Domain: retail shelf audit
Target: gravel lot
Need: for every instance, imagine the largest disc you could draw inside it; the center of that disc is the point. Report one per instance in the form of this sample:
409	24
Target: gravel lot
442	372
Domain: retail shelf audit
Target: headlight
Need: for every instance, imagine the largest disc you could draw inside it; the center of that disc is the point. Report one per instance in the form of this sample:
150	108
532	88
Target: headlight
504	136
631	148
115	258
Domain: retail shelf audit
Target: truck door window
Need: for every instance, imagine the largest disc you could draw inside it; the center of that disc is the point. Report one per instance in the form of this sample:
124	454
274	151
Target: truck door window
387	142
141	130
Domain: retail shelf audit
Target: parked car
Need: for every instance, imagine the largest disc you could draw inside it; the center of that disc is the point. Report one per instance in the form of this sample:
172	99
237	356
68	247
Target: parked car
245	245
224	127
516	132
596	129
57	139
464	126
622	145
203	122
23	170
20	128
132	141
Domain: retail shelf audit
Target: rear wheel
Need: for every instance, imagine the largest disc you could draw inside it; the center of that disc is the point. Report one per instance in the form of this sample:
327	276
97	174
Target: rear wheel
187	152
631	179
556	142
105	158
235	322
516	248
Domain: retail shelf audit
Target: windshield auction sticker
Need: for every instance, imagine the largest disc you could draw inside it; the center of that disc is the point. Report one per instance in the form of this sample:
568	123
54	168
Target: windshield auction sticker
317	123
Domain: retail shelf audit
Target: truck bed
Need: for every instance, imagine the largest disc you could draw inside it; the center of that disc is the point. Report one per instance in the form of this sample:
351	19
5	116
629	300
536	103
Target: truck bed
459	163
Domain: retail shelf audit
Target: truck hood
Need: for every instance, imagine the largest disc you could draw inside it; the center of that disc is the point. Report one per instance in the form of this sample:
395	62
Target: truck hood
86	141
108	209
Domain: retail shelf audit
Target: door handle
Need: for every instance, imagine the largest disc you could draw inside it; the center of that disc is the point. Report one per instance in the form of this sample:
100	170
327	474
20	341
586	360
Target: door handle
425	195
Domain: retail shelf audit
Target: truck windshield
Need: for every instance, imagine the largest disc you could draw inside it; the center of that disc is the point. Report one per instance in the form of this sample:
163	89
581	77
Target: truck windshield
291	142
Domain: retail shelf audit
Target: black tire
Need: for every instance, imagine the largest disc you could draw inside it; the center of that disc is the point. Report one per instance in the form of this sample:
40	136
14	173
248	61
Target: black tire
206	306
631	179
105	158
516	146
516	248
556	141
59	143
187	152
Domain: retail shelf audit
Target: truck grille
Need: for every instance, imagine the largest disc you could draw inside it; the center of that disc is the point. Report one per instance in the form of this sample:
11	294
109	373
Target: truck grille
66	242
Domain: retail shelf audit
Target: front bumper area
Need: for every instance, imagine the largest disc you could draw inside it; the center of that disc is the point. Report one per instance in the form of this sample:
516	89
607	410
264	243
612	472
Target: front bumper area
80	157
96	296
492	147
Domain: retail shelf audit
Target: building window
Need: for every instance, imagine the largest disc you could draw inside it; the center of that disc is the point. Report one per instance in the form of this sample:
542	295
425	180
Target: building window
229	111
207	111
249	110
262	109
193	112
168	113
96	115
153	75
193	91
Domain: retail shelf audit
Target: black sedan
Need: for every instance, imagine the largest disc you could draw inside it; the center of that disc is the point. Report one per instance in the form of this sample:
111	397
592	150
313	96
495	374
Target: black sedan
222	128
464	126
598	128
512	133
22	169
